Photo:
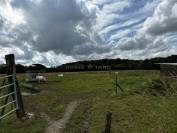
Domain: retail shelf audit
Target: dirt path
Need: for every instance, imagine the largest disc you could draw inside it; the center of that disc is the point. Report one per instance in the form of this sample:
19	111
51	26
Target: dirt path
58	126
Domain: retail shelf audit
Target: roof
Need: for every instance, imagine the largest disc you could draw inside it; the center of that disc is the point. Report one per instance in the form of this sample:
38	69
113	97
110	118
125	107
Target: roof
171	64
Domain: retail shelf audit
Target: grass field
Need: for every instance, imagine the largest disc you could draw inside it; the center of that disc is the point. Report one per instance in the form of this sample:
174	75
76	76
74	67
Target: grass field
133	110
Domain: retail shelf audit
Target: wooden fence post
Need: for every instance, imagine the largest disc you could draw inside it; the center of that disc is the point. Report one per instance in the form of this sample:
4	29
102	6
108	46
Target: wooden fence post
11	69
117	84
108	123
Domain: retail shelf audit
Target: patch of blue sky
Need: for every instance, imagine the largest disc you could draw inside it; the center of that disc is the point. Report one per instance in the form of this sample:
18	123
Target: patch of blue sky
132	34
127	26
171	40
128	33
9	35
140	8
132	18
135	6
125	17
171	34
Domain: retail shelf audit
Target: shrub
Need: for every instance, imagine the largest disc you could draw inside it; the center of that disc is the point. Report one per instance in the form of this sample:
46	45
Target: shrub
163	87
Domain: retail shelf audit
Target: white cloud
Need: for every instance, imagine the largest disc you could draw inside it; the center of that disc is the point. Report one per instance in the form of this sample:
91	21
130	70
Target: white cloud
115	7
164	19
151	38
108	13
12	15
120	34
60	31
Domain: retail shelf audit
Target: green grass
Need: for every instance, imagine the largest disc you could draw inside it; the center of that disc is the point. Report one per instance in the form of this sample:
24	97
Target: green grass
133	111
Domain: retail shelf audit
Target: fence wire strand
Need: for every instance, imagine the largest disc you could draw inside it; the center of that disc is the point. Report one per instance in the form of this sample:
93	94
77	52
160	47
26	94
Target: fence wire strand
7	76
7	104
7	95
14	102
1	117
5	86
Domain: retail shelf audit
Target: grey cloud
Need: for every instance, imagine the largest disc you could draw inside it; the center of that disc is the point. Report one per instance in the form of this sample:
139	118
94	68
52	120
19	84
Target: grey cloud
90	49
151	36
27	55
137	43
51	26
143	43
54	24
1	22
3	2
168	26
164	19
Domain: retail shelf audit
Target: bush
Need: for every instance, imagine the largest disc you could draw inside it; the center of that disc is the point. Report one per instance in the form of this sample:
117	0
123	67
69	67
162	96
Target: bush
162	87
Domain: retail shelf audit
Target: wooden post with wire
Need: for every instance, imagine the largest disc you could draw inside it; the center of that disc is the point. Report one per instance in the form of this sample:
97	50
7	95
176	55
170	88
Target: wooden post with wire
11	70
117	84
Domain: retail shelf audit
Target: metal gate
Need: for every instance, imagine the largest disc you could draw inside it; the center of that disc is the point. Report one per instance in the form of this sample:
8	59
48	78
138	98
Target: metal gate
11	90
8	91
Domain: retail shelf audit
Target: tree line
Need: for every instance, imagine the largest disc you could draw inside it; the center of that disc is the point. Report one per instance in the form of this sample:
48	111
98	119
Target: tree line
96	65
117	64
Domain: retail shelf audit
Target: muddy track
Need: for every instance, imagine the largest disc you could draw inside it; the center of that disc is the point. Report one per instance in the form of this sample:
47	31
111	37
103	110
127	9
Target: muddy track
59	125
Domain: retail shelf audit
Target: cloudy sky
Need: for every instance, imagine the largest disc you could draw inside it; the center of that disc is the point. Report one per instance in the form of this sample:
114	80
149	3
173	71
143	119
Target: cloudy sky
54	32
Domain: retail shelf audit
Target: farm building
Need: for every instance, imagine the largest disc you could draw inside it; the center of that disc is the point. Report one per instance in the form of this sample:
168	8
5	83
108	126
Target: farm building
34	74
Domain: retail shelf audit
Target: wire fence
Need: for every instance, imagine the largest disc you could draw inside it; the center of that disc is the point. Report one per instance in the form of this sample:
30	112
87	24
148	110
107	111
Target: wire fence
9	93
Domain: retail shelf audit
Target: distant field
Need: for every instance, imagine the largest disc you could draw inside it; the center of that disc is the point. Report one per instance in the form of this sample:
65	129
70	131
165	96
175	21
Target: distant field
133	111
